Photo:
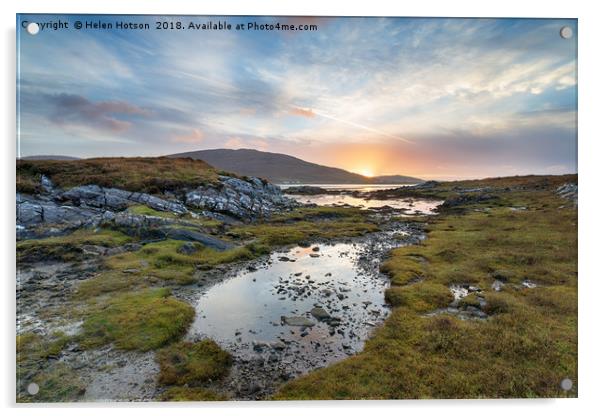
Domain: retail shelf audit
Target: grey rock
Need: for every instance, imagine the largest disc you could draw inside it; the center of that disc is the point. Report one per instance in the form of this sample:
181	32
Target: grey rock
568	191
191	235
320	314
297	321
244	199
188	248
117	199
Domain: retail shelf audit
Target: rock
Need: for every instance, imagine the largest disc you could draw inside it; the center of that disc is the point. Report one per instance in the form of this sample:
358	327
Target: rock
314	255
497	285
33	212
117	199
502	275
305	190
320	314
466	199
191	235
244	199
297	321
316	248
188	248
426	185
46	183
568	191
284	258
529	284
277	345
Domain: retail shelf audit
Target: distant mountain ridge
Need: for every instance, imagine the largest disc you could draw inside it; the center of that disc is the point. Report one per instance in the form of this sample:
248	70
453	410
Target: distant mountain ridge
49	157
281	168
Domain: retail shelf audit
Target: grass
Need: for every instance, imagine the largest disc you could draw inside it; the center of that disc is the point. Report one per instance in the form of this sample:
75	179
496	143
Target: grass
159	262
526	346
148	211
191	394
307	223
143	321
192	364
139	174
68	247
58	384
204	222
33	354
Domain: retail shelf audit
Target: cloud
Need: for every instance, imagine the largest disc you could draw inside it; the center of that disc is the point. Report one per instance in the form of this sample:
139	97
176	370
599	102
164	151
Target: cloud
193	137
302	112
77	110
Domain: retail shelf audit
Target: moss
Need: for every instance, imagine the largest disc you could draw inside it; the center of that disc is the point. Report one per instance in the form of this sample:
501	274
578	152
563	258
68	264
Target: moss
302	224
110	281
59	384
68	247
404	268
470	300
138	174
162	260
191	394
497	303
421	297
146	210
32	347
142	321
187	363
526	346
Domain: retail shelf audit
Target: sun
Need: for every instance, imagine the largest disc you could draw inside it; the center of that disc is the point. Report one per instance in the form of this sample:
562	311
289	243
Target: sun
366	172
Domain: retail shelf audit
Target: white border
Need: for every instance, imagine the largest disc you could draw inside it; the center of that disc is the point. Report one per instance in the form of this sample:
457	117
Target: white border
590	70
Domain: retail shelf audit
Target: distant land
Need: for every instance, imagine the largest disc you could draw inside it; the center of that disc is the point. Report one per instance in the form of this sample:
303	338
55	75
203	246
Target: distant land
281	168
49	157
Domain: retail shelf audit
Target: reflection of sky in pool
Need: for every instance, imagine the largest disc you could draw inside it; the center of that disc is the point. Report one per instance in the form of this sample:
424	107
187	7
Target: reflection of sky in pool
248	307
412	205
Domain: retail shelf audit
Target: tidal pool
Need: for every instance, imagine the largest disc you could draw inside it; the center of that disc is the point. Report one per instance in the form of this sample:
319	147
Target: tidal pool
301	309
411	206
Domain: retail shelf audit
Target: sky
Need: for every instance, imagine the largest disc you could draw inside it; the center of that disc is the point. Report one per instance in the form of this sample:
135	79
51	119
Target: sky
427	97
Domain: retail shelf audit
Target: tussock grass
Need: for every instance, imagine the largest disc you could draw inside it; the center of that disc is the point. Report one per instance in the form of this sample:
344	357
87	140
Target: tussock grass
138	174
191	394
526	346
192	364
68	247
142	321
307	223
58	384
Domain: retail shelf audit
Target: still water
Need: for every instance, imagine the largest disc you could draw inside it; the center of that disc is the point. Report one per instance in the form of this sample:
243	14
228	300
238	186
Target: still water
267	311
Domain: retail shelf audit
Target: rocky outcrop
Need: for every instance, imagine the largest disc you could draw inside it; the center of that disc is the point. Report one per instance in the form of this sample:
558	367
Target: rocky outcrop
251	198
32	211
117	199
568	191
232	199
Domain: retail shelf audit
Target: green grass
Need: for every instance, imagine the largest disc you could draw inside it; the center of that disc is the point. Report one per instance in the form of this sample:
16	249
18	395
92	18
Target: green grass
68	247
191	394
526	346
148	211
307	223
33	354
58	384
192	364
160	261
138	174
143	321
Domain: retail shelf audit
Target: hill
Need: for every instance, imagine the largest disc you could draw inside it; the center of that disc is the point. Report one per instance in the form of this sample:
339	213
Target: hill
281	168
49	157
